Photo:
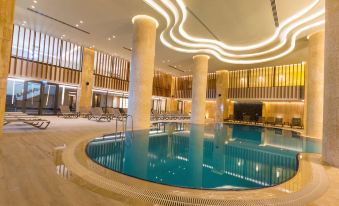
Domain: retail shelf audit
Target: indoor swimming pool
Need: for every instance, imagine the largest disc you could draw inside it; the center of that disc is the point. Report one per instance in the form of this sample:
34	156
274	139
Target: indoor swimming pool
214	156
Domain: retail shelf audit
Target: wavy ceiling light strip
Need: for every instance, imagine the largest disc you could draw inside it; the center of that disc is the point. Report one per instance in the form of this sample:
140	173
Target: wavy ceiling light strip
219	57
171	7
160	10
241	48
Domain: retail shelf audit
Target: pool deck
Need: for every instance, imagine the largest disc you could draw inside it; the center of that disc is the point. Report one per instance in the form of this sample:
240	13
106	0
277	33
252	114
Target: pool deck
29	166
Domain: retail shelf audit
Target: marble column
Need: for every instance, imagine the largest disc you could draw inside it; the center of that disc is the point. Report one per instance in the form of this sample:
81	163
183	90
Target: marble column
314	97
87	81
330	148
6	31
199	88
222	94
142	69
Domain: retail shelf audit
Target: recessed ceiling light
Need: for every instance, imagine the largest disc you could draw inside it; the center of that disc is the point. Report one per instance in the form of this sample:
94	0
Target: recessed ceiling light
113	36
77	25
109	39
63	35
33	7
168	60
81	22
163	61
35	1
24	22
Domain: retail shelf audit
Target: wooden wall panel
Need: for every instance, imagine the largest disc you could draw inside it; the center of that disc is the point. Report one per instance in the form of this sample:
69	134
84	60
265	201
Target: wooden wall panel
162	84
183	86
40	71
270	83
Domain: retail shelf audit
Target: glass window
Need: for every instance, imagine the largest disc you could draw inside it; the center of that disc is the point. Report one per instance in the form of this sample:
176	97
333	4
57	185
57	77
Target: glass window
15	40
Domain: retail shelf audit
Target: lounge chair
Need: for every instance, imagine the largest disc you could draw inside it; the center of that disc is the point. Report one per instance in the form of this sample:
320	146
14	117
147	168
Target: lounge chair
155	116
247	119
270	120
65	112
123	111
261	120
97	114
27	119
186	116
84	113
117	114
230	118
110	112
279	121
296	122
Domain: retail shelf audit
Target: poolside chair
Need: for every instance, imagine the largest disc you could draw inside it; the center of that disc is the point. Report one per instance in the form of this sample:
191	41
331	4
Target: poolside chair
230	118
247	118
110	112
296	122
270	120
84	113
97	114
27	119
65	112
123	111
261	120
155	116
118	115
279	121
186	115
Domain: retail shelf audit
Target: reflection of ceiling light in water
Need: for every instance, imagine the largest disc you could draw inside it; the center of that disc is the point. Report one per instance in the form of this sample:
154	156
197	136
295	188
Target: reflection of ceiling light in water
257	168
278	172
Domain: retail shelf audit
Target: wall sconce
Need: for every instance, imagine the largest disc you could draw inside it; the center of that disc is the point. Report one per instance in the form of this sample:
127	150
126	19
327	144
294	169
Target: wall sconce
87	83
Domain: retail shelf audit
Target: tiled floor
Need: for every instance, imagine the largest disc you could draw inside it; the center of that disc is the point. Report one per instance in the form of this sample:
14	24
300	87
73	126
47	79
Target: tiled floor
28	173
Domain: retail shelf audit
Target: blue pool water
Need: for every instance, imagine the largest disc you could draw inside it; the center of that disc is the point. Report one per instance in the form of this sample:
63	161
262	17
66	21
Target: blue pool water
216	156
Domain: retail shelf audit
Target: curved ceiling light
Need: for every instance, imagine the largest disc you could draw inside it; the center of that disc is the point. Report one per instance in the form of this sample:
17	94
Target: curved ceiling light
216	48
284	36
242	48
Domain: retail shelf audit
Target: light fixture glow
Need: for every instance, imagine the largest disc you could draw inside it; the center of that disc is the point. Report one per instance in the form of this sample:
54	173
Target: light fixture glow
212	47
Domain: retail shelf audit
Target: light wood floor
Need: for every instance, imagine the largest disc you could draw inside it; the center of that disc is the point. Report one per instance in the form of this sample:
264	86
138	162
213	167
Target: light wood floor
28	173
27	170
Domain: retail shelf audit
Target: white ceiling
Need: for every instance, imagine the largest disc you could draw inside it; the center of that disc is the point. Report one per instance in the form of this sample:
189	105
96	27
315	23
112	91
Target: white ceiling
238	22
